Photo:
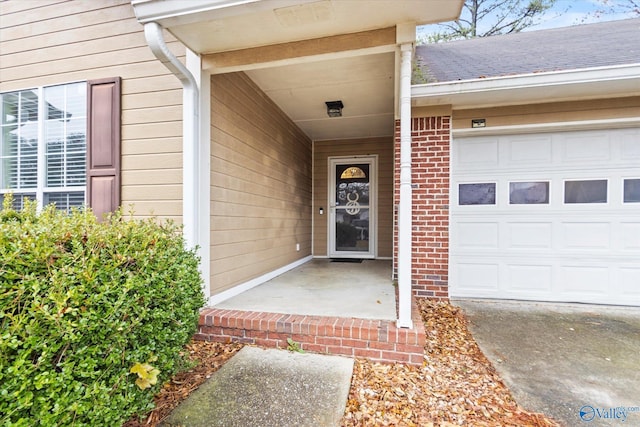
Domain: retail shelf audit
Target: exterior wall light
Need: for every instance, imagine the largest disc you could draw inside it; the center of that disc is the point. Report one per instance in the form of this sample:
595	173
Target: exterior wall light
334	108
478	123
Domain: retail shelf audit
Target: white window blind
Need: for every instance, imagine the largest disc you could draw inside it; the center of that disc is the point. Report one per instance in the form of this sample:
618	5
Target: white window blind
43	145
19	140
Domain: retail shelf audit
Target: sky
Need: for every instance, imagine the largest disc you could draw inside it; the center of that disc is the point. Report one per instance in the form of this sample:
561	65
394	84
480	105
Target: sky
571	12
564	14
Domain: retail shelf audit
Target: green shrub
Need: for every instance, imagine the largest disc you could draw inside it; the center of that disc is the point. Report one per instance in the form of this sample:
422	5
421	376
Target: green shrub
81	304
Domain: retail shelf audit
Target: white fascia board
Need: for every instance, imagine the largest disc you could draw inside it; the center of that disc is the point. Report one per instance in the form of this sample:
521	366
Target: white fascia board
476	91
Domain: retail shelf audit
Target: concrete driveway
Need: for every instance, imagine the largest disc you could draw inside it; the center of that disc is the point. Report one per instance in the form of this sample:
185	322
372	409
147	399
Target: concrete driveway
577	363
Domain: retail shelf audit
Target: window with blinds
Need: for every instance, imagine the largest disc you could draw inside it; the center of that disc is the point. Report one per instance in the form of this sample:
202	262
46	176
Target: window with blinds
43	145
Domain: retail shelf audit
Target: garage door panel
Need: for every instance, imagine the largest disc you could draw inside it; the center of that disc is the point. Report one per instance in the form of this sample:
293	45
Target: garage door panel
529	150
630	237
629	279
539	248
584	280
478	235
629	146
480	154
583	146
529	235
478	276
530	279
586	235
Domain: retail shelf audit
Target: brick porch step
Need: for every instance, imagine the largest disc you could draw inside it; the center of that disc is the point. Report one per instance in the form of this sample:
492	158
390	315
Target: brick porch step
377	340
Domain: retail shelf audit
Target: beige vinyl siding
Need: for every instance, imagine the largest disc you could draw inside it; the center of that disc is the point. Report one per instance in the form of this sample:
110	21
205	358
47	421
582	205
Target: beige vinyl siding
260	184
53	42
550	113
383	147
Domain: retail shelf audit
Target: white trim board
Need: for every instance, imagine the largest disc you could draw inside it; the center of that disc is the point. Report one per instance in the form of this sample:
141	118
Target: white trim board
554	86
243	287
625	122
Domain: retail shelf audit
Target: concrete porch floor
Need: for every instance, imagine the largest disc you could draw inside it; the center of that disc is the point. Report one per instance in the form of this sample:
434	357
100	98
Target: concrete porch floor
325	307
323	287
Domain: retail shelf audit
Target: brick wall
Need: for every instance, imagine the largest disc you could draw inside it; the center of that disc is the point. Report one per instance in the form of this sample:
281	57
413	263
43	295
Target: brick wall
430	186
377	340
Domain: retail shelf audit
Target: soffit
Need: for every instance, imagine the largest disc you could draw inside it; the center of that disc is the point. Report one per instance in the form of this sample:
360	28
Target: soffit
362	78
208	26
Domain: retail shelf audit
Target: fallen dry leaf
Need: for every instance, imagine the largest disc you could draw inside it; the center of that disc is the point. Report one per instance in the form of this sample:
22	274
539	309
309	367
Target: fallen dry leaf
455	386
208	356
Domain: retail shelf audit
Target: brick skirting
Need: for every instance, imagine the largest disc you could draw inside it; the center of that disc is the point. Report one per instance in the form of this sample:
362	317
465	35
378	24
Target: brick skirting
377	340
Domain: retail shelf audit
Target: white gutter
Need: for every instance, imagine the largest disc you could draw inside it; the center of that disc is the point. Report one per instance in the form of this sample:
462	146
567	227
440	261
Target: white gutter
183	12
405	213
190	131
560	81
153	10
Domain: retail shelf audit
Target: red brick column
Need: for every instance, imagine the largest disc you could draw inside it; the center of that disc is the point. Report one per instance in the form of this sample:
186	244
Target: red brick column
430	183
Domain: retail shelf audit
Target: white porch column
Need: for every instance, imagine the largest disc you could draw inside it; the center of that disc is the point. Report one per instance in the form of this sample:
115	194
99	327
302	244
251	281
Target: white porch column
203	159
405	203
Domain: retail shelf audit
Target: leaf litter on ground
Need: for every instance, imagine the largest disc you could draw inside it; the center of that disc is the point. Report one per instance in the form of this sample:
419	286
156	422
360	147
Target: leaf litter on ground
455	386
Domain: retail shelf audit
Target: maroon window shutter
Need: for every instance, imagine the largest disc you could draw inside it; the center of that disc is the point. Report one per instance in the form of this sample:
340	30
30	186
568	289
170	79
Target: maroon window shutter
103	145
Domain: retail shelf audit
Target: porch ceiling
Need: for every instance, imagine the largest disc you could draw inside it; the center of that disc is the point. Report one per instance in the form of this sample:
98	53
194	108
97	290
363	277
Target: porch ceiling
362	78
364	84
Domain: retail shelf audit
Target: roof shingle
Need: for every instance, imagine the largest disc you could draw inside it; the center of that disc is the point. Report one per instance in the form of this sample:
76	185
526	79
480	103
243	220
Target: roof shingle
569	48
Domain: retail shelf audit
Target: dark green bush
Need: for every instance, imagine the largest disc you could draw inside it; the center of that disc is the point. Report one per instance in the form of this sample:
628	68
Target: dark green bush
81	303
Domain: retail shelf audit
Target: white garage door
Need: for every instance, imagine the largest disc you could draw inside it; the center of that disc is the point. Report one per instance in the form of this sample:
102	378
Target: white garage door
549	217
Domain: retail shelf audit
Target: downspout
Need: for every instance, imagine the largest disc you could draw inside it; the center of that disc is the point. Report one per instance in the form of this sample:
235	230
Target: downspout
406	196
190	130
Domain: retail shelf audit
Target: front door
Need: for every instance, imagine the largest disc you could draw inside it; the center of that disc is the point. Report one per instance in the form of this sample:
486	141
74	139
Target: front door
352	207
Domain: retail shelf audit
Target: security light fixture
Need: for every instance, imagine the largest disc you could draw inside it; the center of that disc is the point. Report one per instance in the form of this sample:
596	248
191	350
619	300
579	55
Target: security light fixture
334	108
478	123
